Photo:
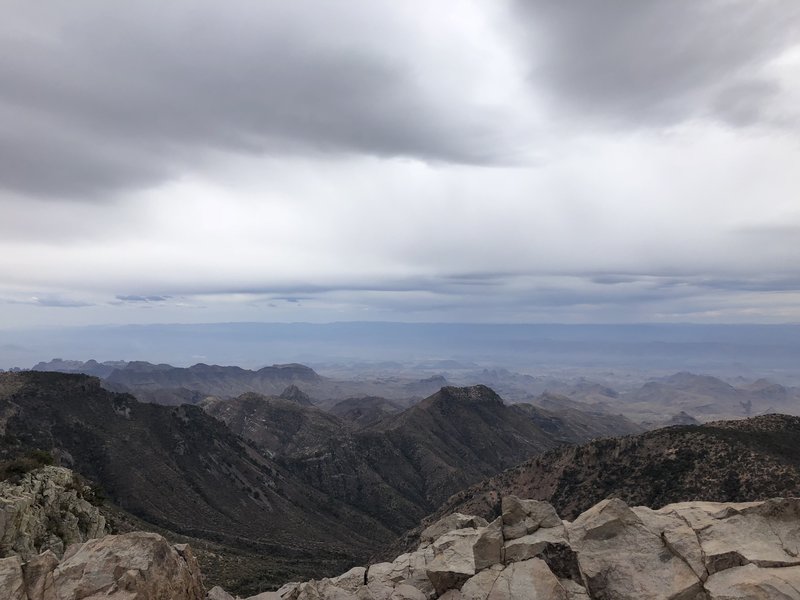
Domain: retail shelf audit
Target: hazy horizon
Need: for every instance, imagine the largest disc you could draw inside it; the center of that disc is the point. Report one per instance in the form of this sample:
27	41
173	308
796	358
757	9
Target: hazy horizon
750	351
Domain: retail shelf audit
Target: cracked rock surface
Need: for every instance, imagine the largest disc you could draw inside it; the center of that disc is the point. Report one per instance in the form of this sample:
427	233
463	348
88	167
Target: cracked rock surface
686	551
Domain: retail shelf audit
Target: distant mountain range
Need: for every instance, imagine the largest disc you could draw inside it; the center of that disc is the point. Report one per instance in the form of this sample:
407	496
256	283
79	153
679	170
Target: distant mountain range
723	350
181	469
276	481
657	402
282	479
166	384
399	465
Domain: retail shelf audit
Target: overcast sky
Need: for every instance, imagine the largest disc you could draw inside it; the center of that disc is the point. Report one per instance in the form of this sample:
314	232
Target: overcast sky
500	161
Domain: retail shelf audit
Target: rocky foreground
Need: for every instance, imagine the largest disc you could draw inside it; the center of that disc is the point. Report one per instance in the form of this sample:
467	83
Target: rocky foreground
686	551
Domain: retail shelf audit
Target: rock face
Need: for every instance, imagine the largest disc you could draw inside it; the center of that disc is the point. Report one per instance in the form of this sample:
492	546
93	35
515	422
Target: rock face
686	551
133	566
46	510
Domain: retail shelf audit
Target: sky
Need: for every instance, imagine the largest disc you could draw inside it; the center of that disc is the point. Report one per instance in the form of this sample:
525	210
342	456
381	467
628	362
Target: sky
477	161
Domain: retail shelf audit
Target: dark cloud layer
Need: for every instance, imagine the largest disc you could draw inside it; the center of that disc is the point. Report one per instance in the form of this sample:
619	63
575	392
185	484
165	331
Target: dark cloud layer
658	62
101	97
325	160
97	96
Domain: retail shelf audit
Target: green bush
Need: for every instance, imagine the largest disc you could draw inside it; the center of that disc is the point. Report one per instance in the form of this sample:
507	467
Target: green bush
15	468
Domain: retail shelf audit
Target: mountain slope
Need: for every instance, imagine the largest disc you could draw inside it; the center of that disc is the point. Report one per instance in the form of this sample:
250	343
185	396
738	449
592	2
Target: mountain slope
706	398
725	461
365	410
179	468
573	425
275	424
403	466
211	379
400	468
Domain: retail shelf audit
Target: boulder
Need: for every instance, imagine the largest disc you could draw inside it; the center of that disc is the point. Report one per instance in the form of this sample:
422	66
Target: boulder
753	583
352	580
407	592
451	523
410	568
766	534
680	539
479	586
575	591
38	573
12	581
288	591
488	547
523	517
292	591
343	587
453	560
621	558
132	566
527	580
217	593
381	580
460	554
533	544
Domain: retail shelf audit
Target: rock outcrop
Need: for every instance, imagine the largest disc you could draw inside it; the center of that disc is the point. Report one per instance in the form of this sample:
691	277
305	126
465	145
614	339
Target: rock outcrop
132	566
46	510
686	551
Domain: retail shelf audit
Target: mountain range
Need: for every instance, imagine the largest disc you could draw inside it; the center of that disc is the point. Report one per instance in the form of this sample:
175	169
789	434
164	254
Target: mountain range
271	487
271	476
652	402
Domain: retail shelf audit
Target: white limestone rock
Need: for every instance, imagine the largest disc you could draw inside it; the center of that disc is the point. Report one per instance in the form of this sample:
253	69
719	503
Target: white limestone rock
46	510
753	583
621	558
132	566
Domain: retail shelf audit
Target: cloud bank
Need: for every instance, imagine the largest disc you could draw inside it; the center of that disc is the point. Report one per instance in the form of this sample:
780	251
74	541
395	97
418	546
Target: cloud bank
479	161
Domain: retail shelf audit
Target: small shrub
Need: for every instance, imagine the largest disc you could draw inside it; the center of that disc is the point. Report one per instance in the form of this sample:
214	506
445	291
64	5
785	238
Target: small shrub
42	457
15	468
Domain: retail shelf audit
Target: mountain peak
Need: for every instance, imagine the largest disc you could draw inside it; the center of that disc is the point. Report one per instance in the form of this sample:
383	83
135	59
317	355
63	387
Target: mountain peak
471	394
289	371
295	394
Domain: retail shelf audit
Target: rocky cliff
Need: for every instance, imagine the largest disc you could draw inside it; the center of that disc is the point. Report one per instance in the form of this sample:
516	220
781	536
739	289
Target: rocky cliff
686	551
46	509
133	566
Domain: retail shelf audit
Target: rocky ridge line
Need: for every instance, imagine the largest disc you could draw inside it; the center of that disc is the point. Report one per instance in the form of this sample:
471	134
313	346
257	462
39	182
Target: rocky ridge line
684	551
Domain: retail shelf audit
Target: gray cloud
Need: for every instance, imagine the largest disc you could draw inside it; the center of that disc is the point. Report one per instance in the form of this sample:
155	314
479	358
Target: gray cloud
250	150
137	298
99	97
654	62
49	301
